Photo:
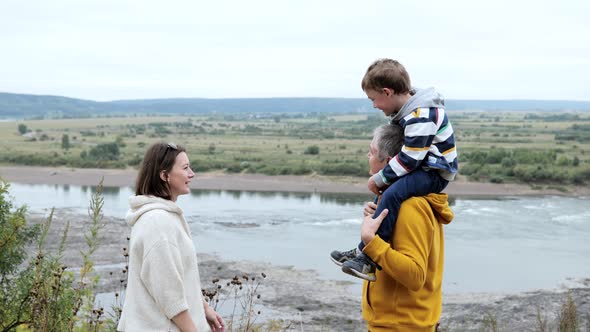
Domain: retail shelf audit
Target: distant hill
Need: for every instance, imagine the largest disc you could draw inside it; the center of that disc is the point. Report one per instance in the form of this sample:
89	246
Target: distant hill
28	106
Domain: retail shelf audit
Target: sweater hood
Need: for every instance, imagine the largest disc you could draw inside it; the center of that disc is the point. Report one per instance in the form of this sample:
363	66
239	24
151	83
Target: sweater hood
138	205
422	98
440	206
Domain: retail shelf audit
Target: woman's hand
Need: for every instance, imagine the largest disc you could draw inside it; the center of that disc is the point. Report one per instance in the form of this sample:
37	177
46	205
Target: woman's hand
369	209
215	321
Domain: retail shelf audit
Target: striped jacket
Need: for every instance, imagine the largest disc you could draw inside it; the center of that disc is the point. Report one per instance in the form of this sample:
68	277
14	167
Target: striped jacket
429	142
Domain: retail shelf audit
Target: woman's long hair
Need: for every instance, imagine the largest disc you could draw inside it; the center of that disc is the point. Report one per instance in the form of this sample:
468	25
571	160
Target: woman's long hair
158	157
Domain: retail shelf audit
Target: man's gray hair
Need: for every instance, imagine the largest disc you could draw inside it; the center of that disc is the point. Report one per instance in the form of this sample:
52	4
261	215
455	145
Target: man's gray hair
388	140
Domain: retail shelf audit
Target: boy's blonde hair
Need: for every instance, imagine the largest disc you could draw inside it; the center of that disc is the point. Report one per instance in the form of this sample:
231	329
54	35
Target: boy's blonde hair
387	73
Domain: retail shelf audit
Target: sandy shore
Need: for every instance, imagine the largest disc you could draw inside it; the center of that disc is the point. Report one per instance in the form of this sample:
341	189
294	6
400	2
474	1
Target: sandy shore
303	300
257	182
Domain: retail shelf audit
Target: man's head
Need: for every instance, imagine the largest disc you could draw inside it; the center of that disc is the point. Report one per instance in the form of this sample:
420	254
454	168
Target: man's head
387	142
387	84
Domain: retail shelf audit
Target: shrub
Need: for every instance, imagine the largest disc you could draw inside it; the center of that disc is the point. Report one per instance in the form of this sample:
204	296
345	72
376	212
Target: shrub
65	142
302	170
576	161
469	168
104	151
312	149
495	156
15	234
41	294
135	160
508	162
22	128
354	169
580	175
563	161
233	168
496	179
568	317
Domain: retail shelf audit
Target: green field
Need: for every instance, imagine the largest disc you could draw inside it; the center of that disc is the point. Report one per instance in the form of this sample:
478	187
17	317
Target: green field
493	146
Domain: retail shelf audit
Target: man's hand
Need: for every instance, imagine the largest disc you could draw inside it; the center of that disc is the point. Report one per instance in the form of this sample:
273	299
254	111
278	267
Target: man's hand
373	186
215	321
370	226
369	209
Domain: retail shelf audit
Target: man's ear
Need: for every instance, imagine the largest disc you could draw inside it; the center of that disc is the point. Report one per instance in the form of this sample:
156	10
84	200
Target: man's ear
163	176
388	92
389	159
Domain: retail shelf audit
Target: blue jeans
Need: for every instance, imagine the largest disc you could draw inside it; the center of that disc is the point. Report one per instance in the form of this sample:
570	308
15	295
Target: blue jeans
416	183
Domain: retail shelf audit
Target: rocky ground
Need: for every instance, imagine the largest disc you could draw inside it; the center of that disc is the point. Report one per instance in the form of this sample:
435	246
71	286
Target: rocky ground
301	301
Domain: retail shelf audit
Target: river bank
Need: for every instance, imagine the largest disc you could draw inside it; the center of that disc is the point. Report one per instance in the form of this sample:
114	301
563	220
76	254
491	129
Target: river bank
257	182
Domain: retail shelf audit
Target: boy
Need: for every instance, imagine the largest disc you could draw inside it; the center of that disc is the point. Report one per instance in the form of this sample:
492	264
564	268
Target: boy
426	163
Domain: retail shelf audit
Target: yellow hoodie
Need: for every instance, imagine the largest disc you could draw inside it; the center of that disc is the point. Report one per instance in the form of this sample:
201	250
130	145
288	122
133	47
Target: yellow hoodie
407	295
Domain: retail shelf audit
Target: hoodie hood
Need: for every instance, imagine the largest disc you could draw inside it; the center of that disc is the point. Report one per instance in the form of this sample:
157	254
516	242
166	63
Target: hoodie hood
440	206
138	205
421	98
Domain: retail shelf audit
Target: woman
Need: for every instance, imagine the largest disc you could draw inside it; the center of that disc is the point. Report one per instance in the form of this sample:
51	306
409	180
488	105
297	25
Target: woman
163	291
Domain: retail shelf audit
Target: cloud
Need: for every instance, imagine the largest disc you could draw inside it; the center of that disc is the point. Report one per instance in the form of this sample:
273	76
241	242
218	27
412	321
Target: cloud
106	50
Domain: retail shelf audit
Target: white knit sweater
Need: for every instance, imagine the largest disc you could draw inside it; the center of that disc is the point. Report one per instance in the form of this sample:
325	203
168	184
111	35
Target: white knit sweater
163	272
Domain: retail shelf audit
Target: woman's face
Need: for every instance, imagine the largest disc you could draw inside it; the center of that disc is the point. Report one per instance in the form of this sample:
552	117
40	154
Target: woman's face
179	177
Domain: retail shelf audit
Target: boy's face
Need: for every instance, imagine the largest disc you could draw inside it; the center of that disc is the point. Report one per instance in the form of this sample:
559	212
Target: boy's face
385	100
375	165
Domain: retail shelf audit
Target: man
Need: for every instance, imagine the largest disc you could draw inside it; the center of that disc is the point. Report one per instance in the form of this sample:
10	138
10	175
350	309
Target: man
407	293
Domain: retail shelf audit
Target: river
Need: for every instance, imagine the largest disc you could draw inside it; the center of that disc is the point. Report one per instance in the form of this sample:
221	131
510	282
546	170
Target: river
508	244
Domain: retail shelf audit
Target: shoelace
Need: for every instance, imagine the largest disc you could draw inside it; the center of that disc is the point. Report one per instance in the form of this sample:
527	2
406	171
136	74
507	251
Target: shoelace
351	252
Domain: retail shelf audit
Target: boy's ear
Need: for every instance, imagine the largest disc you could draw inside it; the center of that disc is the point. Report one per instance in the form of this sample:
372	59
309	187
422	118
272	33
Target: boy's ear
163	176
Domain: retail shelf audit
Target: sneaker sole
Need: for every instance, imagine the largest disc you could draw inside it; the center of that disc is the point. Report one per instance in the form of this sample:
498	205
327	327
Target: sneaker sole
354	273
336	262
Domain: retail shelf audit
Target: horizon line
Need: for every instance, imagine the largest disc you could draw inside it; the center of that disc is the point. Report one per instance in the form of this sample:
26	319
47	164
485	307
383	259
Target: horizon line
282	97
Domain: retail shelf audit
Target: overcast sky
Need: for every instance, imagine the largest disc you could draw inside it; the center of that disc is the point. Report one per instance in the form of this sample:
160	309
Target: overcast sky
116	49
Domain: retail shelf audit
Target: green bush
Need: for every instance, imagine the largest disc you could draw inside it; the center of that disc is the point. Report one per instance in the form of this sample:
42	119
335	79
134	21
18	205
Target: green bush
135	160
15	235
302	170
41	294
581	176
469	169
104	151
233	168
496	179
495	156
22	128
508	162
354	169
65	142
312	149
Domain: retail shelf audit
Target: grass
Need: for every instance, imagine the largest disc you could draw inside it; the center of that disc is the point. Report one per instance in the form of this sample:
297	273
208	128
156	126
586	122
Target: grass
264	144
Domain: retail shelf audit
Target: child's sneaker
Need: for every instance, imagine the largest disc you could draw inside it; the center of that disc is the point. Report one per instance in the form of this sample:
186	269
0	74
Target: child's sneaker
362	266
339	257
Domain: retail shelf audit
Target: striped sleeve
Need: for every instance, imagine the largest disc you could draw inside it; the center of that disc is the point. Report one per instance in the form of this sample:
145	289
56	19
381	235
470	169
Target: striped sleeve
420	128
